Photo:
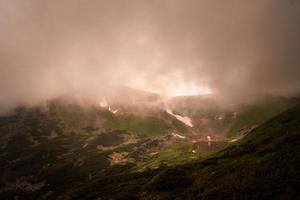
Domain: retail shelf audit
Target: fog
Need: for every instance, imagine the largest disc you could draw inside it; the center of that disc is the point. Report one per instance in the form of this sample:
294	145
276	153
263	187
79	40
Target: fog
236	49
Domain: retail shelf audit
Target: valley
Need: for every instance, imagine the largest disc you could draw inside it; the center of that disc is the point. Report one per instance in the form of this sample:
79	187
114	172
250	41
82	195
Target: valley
48	151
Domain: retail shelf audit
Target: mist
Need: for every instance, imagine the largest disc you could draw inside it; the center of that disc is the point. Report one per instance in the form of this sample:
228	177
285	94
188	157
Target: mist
238	50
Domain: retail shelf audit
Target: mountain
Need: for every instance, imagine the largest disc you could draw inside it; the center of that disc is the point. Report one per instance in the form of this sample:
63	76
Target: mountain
228	120
68	150
263	165
51	148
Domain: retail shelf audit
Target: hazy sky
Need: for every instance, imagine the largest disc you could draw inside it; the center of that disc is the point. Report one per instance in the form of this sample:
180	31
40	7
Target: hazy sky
239	48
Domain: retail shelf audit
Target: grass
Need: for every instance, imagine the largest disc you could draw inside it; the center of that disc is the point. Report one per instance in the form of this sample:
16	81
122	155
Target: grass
140	125
263	165
256	168
176	153
259	113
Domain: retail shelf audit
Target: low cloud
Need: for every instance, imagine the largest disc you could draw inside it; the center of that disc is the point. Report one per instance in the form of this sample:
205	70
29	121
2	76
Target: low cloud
236	49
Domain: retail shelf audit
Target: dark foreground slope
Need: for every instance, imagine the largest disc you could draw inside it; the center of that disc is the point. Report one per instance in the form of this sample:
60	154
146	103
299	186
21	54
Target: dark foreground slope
264	165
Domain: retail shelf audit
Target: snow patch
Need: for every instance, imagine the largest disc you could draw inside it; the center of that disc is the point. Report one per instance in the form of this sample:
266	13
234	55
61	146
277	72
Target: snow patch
113	111
104	104
178	136
208	140
186	120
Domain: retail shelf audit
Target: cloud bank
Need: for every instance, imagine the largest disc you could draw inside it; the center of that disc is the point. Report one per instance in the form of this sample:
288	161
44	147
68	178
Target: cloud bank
239	49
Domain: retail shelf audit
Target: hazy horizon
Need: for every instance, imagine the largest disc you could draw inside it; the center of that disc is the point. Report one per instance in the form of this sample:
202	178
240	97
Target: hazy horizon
236	50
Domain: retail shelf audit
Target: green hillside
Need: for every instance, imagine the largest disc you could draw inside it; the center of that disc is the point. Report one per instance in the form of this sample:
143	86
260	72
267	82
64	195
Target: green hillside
65	153
52	148
264	165
256	114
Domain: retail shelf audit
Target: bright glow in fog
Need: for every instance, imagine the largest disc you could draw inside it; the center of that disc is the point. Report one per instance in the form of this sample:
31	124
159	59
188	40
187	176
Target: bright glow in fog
137	49
188	89
177	88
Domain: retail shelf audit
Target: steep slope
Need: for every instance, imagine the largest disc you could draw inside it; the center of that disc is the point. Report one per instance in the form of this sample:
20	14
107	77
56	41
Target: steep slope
64	152
264	165
227	120
50	149
252	115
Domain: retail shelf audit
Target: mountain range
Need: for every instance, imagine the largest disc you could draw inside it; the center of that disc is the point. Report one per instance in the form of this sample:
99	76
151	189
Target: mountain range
186	147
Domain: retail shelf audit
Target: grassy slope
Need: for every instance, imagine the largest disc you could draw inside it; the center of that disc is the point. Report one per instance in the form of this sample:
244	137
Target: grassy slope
235	119
178	152
256	114
75	118
264	165
29	153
